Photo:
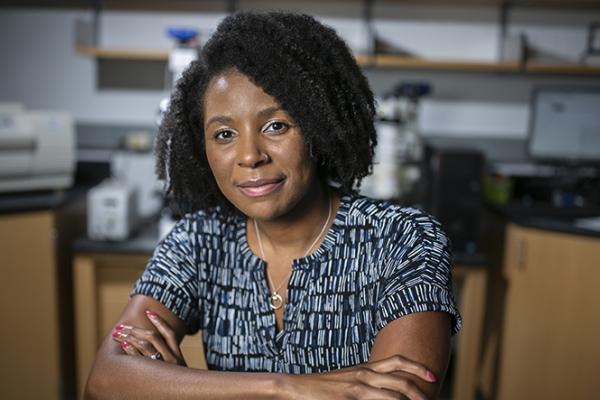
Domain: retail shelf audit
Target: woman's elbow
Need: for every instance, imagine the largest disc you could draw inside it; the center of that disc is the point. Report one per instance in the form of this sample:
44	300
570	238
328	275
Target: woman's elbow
98	384
94	388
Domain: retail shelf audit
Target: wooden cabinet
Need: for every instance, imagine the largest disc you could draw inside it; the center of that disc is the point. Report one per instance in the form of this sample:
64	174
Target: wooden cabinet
35	319
102	283
550	346
471	282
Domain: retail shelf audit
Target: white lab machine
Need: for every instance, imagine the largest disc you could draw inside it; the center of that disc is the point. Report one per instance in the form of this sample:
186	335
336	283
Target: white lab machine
119	204
111	211
399	150
37	149
383	182
136	171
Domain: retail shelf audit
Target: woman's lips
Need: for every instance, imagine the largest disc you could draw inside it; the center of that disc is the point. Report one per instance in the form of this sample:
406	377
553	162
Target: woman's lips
261	187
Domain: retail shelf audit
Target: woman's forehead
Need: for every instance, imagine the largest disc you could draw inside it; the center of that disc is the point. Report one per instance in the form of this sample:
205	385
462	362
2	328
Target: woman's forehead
221	81
234	88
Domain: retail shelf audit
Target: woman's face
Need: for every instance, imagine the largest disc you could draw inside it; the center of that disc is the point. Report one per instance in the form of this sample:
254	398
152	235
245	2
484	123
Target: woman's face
255	150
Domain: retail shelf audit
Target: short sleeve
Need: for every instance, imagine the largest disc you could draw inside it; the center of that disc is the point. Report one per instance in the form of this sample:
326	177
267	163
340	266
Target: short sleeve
417	274
171	276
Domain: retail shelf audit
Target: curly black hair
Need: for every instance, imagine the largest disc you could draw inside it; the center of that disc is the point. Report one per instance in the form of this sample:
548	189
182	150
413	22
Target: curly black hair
306	67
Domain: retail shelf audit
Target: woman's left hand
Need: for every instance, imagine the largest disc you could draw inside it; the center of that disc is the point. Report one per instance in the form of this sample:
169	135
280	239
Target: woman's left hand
160	344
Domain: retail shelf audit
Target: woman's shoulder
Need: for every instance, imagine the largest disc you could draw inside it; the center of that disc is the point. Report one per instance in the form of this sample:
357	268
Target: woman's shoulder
390	215
207	222
396	227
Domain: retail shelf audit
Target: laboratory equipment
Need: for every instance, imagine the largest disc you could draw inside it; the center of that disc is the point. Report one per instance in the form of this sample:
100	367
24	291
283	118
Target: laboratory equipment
37	149
399	150
135	169
181	55
111	213
565	125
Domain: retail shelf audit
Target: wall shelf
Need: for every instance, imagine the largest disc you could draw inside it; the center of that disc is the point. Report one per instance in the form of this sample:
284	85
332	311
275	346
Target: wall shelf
403	62
383	62
562	69
195	5
123	54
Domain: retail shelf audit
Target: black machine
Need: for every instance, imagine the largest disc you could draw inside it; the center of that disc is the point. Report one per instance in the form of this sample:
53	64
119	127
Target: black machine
454	193
564	139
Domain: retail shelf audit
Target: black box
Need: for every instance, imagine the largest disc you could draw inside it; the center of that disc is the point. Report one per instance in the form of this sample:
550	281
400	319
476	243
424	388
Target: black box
453	193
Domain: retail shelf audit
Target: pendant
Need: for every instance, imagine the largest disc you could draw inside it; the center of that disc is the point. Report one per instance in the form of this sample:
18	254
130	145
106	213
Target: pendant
276	301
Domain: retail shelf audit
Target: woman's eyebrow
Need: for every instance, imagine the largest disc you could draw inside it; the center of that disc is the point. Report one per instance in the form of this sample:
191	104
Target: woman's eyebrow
219	118
267	112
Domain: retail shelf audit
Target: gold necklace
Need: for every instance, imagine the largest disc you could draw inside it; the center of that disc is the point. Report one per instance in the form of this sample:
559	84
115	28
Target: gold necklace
276	299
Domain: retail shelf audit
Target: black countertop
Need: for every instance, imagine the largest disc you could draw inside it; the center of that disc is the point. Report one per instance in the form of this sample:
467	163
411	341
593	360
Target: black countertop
554	224
143	241
38	200
566	220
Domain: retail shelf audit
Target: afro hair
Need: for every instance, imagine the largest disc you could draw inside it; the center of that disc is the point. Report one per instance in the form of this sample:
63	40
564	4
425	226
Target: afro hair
306	67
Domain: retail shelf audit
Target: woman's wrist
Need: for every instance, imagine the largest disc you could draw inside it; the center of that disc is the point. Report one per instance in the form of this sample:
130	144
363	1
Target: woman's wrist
283	386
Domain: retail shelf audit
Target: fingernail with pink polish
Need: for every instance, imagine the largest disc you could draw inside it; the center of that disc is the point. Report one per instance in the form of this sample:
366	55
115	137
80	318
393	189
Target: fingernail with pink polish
125	344
151	314
116	335
431	376
120	327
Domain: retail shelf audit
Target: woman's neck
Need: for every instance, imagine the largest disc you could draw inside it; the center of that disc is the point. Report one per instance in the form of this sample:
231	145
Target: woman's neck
294	232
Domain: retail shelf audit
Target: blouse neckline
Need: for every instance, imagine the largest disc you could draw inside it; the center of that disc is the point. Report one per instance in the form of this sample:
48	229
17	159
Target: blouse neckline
331	238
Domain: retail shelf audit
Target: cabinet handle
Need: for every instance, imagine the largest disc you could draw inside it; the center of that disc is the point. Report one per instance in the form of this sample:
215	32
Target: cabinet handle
522	255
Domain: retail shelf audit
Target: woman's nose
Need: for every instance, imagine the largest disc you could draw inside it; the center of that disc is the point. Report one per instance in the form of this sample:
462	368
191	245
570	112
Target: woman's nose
250	152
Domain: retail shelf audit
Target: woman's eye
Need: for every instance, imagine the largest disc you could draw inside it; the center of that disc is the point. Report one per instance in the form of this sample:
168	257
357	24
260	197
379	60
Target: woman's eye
276	127
224	136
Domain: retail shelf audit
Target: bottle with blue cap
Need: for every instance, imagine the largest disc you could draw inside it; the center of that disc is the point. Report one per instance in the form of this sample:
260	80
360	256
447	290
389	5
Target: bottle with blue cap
184	51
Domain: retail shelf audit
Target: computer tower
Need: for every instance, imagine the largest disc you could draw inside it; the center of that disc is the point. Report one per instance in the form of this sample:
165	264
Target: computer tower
454	193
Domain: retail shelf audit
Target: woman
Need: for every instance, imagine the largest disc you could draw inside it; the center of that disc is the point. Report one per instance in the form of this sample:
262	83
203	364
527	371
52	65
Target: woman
284	268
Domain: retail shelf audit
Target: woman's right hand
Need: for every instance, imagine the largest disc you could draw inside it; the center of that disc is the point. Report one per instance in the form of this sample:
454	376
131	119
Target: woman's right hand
374	380
160	344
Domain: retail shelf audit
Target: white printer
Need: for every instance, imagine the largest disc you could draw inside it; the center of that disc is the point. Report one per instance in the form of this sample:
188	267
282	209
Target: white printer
37	149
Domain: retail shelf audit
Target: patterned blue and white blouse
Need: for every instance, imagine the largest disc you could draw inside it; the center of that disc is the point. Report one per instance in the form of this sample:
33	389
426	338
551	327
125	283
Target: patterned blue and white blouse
377	263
